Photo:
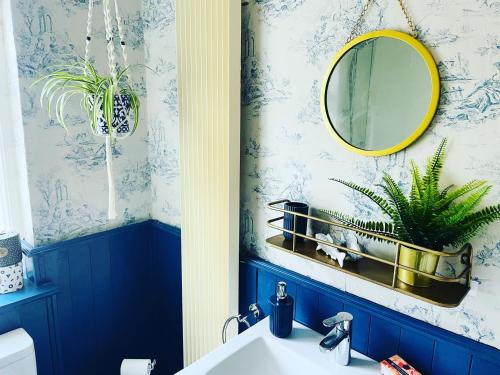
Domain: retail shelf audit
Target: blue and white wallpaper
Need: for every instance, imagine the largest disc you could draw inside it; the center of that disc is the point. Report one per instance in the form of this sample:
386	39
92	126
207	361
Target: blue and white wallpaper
286	151
67	171
163	124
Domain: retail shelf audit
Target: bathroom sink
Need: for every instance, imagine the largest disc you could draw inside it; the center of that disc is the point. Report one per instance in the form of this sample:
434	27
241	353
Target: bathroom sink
257	351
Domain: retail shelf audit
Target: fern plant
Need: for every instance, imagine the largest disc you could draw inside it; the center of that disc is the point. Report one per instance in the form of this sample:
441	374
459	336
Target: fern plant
430	216
98	93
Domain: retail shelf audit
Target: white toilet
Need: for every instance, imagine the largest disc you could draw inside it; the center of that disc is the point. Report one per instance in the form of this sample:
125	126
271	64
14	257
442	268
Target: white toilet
17	353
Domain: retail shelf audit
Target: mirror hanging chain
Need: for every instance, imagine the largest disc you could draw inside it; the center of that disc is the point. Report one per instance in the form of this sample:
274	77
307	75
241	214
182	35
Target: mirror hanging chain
364	10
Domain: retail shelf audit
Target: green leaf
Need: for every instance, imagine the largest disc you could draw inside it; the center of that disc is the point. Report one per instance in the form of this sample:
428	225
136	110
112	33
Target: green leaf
381	202
376	227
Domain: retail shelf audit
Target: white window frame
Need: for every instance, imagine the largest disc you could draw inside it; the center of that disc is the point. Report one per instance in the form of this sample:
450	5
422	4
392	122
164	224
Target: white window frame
15	207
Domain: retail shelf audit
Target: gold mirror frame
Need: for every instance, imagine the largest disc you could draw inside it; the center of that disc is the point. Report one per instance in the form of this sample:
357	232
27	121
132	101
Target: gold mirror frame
433	103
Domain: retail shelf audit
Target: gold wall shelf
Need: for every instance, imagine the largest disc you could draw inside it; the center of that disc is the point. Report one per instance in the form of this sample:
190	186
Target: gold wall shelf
444	291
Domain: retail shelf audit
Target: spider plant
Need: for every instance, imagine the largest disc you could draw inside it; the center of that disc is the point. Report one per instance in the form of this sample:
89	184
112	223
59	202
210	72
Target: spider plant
98	93
429	216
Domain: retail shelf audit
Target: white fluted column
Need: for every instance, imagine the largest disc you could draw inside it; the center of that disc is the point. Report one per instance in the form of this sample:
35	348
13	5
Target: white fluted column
208	56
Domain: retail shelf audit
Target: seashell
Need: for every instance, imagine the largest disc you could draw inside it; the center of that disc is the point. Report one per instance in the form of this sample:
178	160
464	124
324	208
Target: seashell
331	251
353	243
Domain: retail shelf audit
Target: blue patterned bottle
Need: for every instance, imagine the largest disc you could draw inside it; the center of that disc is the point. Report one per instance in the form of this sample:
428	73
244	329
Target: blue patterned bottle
281	317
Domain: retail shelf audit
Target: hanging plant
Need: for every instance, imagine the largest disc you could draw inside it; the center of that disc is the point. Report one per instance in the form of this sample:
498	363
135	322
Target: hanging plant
107	105
108	101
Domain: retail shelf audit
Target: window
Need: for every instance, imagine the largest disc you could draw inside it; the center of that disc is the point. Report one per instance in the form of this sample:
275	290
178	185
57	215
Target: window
15	211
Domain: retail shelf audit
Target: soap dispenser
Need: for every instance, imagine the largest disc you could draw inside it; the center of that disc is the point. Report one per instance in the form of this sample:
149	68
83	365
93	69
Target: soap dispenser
281	317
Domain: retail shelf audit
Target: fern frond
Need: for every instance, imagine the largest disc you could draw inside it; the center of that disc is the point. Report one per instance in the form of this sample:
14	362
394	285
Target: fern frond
377	227
437	161
445	191
458	193
381	202
416	187
474	222
456	213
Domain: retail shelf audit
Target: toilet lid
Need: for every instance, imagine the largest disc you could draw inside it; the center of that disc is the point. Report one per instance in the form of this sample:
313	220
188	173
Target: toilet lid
15	345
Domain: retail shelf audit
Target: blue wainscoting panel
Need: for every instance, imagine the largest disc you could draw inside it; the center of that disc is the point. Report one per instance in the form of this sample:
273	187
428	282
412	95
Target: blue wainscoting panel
248	286
378	332
167	298
360	326
450	359
417	348
383	338
265	289
248	289
481	367
306	307
119	296
327	307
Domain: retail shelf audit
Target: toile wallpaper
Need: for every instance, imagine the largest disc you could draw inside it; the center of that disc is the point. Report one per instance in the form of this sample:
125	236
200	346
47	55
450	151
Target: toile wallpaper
286	150
67	171
288	153
163	124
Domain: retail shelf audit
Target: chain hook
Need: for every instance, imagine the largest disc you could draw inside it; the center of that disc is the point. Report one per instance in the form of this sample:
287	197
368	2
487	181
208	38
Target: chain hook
364	10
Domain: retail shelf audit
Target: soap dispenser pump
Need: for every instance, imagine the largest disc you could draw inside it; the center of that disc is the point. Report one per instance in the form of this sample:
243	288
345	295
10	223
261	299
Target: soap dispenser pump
281	317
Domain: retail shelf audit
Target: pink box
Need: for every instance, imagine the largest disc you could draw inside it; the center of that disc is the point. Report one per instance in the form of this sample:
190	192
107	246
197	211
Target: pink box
397	366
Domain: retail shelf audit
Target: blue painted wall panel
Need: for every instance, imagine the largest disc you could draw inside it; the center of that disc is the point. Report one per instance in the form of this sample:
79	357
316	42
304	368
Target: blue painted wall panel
83	350
265	289
167	299
360	327
450	359
119	296
417	349
247	290
384	338
9	320
248	286
102	309
306	308
327	307
481	367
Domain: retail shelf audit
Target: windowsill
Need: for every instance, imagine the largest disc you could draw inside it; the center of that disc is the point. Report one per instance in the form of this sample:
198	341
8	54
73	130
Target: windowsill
29	293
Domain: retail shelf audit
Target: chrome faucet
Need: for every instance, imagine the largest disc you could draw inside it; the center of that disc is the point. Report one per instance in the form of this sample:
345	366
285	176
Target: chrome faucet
338	340
255	312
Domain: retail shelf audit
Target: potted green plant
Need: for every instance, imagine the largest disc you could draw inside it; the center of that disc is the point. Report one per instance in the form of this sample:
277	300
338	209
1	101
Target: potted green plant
430	217
106	102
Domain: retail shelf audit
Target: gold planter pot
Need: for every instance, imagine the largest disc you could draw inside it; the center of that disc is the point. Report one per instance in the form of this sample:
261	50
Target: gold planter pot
420	261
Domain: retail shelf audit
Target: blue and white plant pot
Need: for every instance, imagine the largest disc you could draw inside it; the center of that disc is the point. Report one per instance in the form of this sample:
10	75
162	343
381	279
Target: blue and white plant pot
11	278
120	125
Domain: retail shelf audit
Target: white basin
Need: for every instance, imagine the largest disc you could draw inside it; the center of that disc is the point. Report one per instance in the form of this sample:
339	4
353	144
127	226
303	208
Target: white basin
257	351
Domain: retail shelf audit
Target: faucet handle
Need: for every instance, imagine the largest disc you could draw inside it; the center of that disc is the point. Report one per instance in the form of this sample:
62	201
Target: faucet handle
255	310
341	317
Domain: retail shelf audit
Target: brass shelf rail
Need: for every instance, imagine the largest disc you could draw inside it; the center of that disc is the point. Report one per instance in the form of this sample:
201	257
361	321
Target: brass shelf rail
443	291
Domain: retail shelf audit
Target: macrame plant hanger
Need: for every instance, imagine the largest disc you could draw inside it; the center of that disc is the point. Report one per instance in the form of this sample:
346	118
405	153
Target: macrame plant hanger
112	133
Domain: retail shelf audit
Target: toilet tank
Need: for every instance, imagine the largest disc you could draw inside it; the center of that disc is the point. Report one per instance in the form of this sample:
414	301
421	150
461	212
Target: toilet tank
17	353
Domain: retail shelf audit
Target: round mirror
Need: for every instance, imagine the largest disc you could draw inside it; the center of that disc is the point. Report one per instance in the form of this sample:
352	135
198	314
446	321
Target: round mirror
380	93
